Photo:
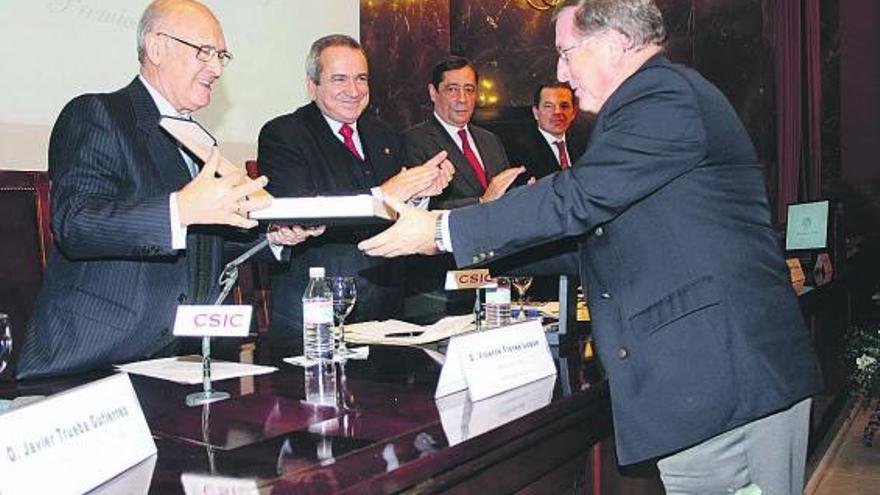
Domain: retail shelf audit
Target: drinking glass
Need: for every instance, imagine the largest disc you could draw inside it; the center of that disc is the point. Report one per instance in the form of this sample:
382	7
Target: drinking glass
344	297
521	285
5	340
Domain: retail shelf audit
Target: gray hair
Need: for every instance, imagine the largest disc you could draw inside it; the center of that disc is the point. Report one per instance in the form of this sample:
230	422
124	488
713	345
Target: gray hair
151	21
313	60
638	20
154	16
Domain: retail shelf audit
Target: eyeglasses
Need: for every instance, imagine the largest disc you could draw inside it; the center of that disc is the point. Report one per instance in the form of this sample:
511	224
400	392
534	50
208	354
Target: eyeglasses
565	53
204	53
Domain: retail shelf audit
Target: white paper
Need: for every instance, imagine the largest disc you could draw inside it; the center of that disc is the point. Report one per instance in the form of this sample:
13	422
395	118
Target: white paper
396	332
324	207
358	353
188	369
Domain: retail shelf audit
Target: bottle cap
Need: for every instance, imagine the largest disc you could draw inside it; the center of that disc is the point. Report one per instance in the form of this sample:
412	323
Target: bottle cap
316	271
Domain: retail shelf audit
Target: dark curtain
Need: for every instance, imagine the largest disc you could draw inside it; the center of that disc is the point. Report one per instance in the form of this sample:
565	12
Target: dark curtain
787	38
798	101
813	79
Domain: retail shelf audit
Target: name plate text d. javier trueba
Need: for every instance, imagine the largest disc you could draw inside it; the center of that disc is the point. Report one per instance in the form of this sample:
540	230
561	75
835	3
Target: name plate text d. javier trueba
73	441
490	362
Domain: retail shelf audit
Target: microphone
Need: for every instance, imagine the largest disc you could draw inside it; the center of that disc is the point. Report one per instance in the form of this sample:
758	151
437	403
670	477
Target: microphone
229	275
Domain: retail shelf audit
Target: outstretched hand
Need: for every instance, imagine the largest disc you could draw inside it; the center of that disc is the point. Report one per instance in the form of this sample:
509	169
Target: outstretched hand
500	183
208	199
427	179
412	233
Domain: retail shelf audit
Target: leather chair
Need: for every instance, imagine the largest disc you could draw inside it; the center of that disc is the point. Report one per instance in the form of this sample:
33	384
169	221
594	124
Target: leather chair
25	237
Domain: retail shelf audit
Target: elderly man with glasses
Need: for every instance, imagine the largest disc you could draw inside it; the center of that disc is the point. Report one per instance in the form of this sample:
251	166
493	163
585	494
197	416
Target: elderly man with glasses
709	362
138	228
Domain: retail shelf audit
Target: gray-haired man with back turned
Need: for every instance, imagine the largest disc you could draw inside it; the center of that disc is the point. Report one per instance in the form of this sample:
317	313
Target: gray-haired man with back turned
709	362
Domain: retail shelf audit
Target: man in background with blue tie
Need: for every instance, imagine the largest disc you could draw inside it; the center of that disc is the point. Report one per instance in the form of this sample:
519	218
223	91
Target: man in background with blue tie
331	147
138	229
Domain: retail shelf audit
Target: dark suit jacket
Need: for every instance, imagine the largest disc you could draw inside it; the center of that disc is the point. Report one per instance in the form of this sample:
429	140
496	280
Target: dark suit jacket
427	299
113	282
425	140
693	315
301	156
532	150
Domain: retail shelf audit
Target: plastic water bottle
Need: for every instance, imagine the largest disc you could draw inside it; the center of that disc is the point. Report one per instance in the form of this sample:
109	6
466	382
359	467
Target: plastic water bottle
317	305
498	304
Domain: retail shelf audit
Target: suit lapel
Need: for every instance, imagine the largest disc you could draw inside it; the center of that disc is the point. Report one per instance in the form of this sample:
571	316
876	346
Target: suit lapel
492	163
463	167
344	167
379	156
548	161
160	148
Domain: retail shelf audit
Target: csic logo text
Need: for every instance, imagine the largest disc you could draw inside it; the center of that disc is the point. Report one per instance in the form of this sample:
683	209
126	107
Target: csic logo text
214	320
473	278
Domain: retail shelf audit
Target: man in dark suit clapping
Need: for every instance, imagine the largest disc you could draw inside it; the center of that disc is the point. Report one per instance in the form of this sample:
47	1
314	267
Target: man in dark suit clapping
331	147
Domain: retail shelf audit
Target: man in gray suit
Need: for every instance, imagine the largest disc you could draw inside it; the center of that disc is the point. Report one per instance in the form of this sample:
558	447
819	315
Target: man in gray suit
481	175
137	226
709	363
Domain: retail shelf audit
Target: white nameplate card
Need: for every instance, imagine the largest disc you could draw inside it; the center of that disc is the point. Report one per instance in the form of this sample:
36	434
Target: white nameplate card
469	279
195	320
73	441
200	484
490	362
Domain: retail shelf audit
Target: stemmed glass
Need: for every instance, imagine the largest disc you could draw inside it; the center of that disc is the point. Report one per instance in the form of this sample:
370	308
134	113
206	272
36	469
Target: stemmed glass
344	296
521	285
5	340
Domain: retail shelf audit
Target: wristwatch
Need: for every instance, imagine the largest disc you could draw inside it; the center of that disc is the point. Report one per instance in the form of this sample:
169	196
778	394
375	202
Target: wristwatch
438	233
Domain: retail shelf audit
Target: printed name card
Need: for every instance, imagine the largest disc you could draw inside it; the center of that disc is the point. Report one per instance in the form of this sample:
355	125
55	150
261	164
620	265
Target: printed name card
469	279
195	320
490	362
73	441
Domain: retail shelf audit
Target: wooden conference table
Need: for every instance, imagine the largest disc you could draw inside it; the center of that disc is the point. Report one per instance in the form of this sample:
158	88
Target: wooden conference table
374	427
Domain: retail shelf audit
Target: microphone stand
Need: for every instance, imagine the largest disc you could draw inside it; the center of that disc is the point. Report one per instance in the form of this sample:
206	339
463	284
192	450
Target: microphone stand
227	280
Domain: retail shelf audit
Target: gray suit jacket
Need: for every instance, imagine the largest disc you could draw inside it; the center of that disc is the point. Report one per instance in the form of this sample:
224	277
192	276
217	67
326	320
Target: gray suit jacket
426	139
693	315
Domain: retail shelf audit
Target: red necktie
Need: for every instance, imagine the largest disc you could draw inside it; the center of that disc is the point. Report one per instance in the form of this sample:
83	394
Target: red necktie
563	155
347	132
472	157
